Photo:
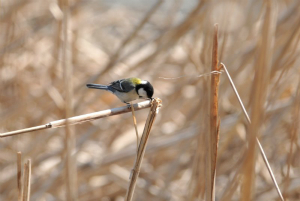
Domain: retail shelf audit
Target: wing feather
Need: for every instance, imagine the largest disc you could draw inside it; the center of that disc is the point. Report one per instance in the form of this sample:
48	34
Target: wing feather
123	85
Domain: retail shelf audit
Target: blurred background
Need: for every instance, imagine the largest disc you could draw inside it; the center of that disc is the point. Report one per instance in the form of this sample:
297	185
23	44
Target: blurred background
49	51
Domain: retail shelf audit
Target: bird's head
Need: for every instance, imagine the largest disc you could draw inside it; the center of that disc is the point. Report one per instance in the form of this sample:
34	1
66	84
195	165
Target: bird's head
144	89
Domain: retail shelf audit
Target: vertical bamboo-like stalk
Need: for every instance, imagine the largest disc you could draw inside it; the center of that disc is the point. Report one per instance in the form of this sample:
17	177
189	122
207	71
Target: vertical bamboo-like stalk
70	171
156	103
213	136
27	179
259	88
19	168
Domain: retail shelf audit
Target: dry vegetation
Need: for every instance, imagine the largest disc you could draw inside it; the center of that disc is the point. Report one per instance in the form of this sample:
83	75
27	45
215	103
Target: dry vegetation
49	50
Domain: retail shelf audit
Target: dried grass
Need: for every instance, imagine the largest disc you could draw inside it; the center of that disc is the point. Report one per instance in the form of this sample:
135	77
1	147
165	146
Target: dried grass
258	42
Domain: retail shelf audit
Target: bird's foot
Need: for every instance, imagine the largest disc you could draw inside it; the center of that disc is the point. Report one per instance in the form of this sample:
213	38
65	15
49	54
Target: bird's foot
128	105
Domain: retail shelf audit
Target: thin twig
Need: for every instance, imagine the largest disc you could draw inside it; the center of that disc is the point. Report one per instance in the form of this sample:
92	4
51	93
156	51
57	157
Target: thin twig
269	169
80	119
156	103
236	93
257	140
135	126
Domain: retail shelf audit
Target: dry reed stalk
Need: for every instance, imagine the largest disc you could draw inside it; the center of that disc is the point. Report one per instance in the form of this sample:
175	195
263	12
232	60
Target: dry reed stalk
80	119
213	137
29	78
27	179
257	140
135	127
155	105
259	88
19	168
70	144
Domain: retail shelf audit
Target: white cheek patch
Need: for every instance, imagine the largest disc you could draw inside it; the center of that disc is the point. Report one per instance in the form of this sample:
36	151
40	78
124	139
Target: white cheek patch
144	82
142	93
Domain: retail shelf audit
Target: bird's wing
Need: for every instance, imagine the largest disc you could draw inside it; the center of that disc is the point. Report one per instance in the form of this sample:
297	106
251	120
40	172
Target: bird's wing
123	85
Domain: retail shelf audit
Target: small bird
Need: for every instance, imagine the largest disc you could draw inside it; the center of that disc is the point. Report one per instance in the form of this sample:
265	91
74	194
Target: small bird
127	89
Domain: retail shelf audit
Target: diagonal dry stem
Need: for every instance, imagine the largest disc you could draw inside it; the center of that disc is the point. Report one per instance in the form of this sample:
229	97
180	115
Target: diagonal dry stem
257	140
155	105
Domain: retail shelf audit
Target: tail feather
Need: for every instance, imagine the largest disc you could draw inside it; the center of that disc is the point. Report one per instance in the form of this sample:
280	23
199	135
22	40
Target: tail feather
97	86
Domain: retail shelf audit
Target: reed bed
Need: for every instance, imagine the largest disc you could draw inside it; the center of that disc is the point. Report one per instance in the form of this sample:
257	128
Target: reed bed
49	51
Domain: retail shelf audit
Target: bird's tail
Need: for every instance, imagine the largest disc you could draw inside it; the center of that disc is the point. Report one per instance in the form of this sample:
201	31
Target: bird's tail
97	86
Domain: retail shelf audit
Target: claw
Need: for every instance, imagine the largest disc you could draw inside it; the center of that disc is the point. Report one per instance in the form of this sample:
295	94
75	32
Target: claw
128	105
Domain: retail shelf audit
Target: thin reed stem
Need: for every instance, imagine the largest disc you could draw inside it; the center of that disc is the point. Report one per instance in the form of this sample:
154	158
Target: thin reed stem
80	119
135	126
257	140
155	105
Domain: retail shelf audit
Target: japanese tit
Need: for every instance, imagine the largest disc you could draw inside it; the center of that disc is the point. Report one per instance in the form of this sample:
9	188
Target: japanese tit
127	89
